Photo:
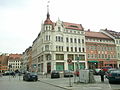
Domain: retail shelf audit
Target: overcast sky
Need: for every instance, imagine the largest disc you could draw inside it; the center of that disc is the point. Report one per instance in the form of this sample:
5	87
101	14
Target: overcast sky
20	20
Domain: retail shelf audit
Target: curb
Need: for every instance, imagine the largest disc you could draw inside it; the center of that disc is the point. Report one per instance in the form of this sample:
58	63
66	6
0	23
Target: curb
55	85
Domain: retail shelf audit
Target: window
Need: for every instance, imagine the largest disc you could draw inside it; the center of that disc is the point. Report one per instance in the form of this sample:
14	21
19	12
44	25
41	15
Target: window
49	37
62	48
57	48
102	55
67	40
67	48
83	50
75	40
71	40
71	49
46	37
71	56
78	40
79	49
46	27
75	49
56	38
59	38
88	55
49	27
82	40
59	29
59	56
46	47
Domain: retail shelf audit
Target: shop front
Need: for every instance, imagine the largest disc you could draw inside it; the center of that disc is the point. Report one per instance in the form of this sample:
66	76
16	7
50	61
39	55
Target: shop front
60	66
93	64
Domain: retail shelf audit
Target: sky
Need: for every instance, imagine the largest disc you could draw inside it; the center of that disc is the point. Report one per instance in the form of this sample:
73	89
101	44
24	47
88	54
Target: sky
20	20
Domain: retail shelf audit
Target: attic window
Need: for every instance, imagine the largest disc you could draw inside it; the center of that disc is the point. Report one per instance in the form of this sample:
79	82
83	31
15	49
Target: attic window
73	26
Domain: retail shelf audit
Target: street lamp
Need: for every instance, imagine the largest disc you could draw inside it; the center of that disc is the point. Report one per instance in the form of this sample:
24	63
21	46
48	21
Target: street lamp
10	66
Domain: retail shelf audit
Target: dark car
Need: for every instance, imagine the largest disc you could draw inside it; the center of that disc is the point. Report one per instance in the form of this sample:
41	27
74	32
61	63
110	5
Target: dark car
30	76
108	72
68	73
55	74
8	73
114	76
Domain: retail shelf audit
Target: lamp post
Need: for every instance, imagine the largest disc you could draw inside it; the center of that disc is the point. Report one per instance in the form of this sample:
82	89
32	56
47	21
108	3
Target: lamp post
10	66
78	64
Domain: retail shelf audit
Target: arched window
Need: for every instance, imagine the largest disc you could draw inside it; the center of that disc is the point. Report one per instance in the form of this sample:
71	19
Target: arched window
59	29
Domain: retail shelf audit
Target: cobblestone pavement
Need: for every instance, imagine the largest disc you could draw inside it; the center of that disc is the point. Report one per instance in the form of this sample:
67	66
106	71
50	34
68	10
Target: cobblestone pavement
64	83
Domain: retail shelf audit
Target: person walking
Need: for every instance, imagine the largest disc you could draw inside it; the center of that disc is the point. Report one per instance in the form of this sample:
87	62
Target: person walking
102	73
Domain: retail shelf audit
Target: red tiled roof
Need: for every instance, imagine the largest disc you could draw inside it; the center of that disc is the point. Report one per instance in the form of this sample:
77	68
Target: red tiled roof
73	26
48	21
15	56
96	35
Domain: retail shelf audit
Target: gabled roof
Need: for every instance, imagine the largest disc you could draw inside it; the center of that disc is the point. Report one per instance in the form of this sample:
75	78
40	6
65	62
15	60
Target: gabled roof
96	35
14	56
73	26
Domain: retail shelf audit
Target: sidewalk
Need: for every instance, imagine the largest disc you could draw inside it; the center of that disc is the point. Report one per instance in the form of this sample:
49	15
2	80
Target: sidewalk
64	83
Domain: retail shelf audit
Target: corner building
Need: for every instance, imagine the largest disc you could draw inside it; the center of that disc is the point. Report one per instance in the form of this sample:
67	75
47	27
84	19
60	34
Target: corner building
56	43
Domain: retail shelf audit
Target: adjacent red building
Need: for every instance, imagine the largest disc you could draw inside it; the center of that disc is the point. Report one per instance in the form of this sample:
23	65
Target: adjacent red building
100	50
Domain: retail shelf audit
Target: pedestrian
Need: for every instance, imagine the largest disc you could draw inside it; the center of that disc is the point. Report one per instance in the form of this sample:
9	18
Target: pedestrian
13	74
102	73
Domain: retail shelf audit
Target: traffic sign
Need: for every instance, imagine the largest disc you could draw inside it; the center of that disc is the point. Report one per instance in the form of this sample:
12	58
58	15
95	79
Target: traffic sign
69	61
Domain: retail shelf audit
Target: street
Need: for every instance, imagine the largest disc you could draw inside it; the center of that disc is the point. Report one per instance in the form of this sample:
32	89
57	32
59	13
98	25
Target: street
16	84
10	83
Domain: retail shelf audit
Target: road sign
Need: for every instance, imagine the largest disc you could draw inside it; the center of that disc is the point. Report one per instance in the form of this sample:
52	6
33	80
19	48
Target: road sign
69	61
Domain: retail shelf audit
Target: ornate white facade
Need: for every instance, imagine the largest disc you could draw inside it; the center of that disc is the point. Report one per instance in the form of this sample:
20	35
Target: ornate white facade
56	43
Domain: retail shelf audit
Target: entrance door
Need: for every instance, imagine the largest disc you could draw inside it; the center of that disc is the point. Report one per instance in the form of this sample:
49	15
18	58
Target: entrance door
48	67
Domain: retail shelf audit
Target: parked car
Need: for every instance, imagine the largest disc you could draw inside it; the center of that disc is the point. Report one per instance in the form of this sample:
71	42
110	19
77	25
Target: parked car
30	76
108	72
55	74
114	76
106	68
68	73
6	73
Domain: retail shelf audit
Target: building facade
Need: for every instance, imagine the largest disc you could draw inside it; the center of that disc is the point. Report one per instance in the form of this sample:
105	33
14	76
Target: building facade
56	43
27	60
3	62
100	50
116	36
14	62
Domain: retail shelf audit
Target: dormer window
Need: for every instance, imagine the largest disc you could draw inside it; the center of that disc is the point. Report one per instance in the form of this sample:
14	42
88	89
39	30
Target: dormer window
73	26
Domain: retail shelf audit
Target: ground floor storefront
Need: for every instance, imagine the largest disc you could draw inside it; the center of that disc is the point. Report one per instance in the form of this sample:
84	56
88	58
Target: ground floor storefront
60	66
101	63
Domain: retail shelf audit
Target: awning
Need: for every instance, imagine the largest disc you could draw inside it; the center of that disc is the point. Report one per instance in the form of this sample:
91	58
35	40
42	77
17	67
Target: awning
93	61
